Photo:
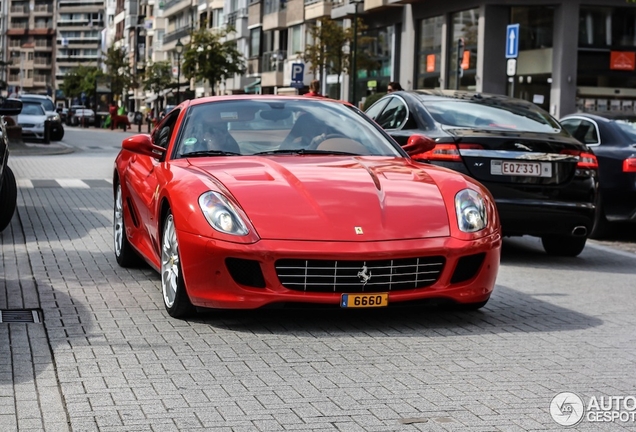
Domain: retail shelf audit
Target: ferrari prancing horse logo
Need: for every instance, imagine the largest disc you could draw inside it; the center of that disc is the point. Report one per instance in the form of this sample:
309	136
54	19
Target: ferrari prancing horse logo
364	276
359	230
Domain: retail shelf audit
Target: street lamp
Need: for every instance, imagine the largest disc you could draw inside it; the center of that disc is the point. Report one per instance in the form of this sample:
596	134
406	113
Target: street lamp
179	49
354	51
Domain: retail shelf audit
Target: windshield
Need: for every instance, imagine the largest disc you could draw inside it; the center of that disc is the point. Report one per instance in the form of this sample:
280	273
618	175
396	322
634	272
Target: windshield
502	116
279	126
48	104
32	109
628	128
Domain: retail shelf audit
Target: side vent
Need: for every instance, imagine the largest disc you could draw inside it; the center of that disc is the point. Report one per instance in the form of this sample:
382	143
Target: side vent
467	267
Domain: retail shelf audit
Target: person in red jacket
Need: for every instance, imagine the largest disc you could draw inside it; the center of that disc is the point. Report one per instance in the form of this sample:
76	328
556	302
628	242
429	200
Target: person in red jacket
314	89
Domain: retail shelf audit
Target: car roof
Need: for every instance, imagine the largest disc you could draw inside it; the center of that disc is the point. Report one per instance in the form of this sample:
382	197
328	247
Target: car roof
263	97
605	117
465	95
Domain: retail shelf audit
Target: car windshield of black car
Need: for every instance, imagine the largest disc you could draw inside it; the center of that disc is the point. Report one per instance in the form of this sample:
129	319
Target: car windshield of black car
468	114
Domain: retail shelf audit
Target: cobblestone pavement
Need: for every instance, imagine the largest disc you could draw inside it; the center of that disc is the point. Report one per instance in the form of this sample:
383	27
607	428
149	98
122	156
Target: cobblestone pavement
107	357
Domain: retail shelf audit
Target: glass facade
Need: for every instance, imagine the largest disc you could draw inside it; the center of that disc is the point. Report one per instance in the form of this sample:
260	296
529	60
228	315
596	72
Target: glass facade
464	26
429	52
606	58
534	64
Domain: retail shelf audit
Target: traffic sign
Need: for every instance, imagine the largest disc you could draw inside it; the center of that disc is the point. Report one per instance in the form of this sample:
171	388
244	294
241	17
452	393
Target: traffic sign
511	67
512	41
297	73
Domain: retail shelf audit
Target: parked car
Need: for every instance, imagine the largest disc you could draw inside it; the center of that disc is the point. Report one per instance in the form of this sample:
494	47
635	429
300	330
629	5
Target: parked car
57	128
613	139
8	186
32	120
544	181
326	209
82	116
63	112
71	112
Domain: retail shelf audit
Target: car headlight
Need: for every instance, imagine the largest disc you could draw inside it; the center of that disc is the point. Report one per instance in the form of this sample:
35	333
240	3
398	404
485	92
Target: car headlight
54	118
470	207
221	214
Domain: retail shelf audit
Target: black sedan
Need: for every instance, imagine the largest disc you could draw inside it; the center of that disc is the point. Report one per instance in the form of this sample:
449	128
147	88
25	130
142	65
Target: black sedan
8	186
544	181
613	139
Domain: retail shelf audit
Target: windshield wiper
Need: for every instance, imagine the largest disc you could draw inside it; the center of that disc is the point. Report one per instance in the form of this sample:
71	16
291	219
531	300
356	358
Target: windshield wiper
304	152
209	153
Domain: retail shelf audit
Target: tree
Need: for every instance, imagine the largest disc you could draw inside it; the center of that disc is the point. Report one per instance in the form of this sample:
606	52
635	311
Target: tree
327	53
158	77
207	58
82	79
118	70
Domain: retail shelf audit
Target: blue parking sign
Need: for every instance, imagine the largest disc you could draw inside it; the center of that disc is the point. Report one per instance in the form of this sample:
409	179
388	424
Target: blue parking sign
512	41
297	72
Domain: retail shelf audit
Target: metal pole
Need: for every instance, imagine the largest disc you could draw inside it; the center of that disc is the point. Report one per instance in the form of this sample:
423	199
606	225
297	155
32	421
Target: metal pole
354	71
178	78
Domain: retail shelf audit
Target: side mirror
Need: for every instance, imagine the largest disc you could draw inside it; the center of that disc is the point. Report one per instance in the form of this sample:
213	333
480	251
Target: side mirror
418	144
10	107
142	144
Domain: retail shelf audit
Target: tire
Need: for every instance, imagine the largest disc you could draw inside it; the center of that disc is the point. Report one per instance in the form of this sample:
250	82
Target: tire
173	290
8	198
563	245
59	134
124	252
601	225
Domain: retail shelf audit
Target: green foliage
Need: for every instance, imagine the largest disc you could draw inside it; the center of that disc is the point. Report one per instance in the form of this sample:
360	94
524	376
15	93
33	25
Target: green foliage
118	70
81	79
371	99
327	51
158	76
207	58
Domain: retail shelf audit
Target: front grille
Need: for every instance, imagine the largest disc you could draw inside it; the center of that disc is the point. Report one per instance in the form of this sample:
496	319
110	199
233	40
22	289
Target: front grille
26	125
349	276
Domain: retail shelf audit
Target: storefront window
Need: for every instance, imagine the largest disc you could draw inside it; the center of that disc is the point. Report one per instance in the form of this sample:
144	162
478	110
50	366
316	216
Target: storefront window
536	25
429	52
606	60
374	61
465	26
603	27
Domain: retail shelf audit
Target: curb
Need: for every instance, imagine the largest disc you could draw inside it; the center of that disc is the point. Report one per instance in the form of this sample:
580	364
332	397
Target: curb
20	148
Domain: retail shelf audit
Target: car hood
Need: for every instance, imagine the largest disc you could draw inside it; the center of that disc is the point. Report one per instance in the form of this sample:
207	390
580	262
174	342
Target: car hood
31	119
333	198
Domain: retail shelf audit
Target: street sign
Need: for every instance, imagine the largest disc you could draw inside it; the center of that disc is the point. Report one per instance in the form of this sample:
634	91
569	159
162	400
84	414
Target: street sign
511	67
297	74
512	41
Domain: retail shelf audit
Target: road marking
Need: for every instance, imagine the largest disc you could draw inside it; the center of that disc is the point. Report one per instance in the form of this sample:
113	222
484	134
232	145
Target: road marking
64	183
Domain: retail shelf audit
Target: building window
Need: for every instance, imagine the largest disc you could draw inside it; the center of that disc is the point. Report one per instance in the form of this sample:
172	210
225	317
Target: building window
255	42
430	52
603	27
296	40
465	25
536	26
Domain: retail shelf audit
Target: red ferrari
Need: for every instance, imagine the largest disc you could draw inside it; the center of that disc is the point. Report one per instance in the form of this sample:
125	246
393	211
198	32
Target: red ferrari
243	202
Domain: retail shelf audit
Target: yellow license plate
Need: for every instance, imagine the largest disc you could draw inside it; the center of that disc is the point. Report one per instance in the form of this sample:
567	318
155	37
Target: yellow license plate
364	300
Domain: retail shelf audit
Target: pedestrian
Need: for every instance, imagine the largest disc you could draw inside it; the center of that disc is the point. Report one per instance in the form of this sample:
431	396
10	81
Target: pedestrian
314	89
393	87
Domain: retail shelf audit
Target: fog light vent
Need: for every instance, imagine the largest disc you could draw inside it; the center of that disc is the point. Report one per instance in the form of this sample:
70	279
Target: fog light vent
20	316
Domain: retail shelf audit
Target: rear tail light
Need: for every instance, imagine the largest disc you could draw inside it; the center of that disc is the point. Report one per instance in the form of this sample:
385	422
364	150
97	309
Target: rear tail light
446	152
629	165
586	160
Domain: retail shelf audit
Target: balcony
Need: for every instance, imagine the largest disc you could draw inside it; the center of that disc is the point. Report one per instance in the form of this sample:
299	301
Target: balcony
179	34
237	21
173	6
42	9
315	9
19	10
273	67
274	15
42	62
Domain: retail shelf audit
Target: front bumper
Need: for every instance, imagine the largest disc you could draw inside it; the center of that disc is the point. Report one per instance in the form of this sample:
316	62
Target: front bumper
210	284
33	132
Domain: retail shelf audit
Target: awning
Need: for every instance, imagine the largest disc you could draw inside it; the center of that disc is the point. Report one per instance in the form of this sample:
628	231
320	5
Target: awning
254	87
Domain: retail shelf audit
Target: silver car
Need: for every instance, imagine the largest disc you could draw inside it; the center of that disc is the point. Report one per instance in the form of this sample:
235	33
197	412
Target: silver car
32	120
